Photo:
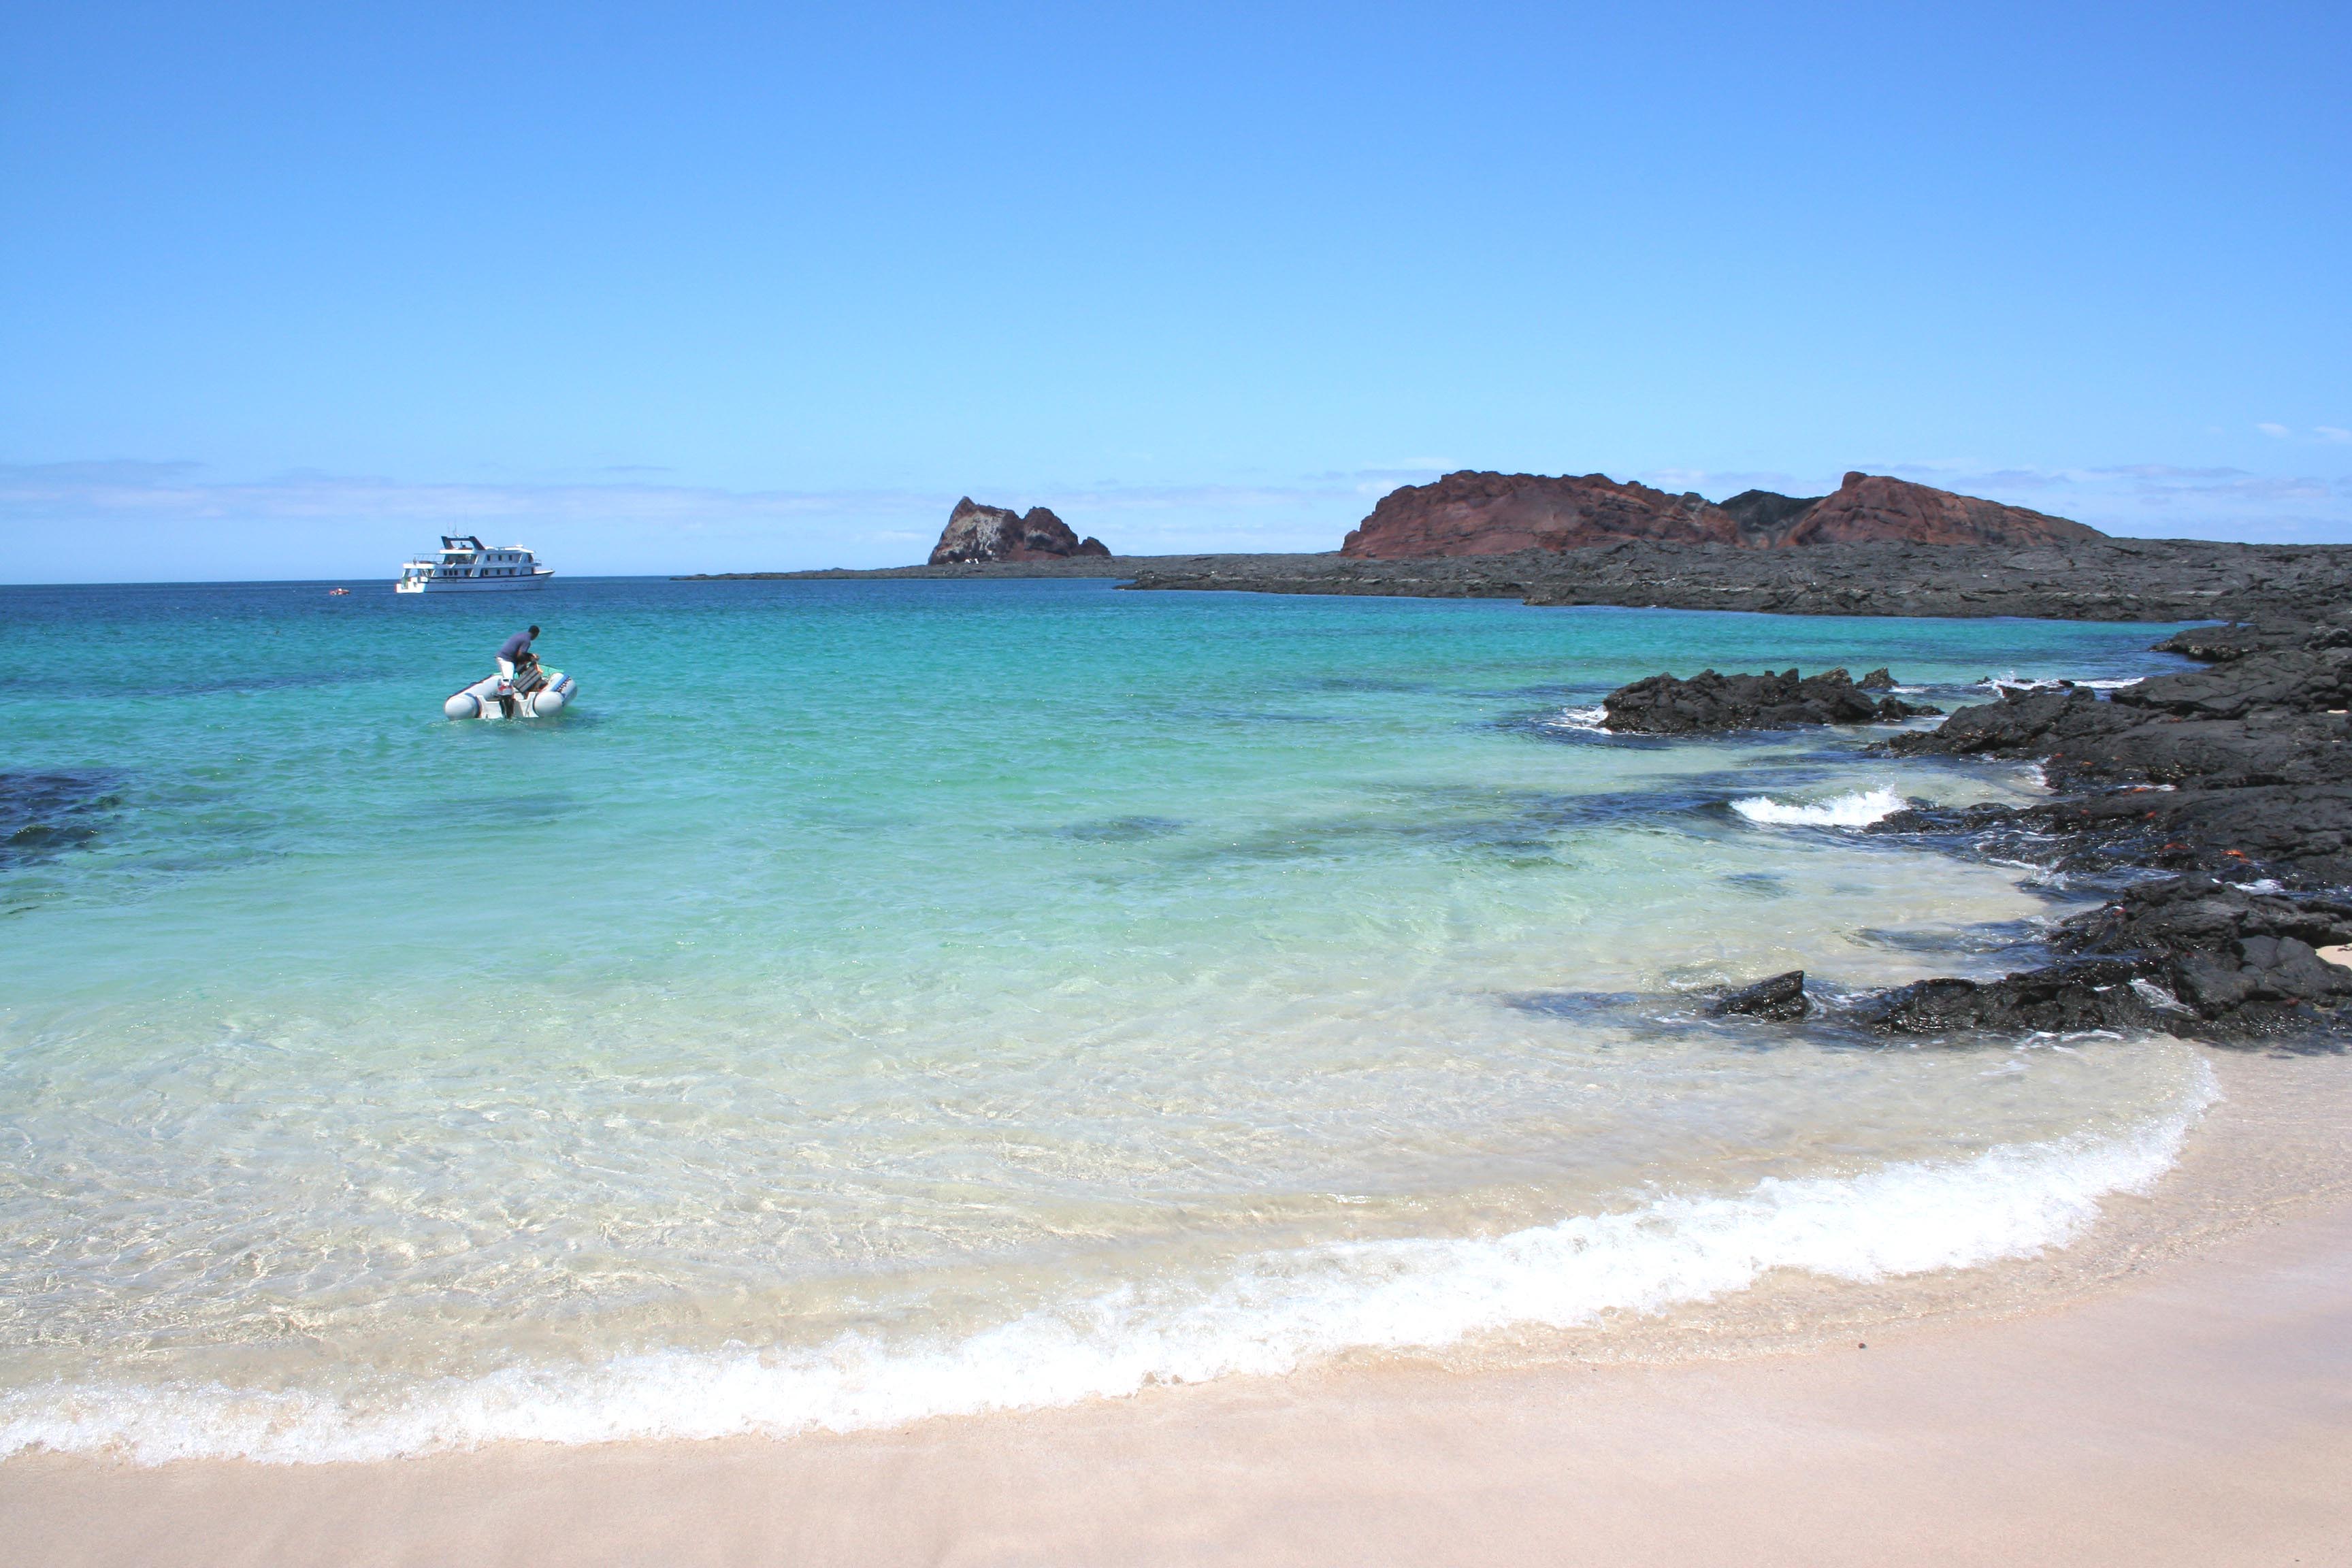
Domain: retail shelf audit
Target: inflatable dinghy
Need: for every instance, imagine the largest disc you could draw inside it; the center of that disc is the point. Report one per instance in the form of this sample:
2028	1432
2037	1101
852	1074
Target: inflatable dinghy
534	693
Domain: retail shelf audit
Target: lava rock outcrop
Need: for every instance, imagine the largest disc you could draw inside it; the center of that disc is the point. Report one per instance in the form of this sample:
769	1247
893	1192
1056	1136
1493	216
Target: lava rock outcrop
1710	703
2267	713
2191	955
2238	775
1780	997
976	532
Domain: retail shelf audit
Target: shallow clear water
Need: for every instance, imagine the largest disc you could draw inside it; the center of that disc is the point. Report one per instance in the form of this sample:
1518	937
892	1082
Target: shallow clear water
878	998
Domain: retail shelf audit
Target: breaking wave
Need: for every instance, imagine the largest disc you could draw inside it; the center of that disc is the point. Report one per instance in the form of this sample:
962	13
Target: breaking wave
1590	721
2027	683
1856	810
1273	1313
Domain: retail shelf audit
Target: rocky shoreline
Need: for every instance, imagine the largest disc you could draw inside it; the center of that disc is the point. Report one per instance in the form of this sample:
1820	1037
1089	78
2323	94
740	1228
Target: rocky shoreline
2094	580
2233	784
2097	580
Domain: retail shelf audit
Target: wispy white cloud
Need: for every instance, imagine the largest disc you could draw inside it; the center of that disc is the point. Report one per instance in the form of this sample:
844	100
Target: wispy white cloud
2163	472
1720	483
2324	435
1379	478
178	489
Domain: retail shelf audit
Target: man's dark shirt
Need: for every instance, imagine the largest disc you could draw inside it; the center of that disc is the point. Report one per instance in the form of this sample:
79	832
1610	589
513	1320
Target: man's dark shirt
516	647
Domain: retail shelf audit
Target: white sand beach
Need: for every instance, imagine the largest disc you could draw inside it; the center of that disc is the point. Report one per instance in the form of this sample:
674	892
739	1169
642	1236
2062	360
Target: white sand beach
2194	1408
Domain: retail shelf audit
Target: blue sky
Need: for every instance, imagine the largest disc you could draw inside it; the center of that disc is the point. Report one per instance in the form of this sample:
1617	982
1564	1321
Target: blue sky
286	289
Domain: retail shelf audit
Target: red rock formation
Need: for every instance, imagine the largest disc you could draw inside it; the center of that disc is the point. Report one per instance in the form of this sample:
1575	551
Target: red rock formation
1496	514
976	532
1872	506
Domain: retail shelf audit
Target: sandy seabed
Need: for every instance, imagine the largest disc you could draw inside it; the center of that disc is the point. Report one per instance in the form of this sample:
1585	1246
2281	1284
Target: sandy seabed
2176	1388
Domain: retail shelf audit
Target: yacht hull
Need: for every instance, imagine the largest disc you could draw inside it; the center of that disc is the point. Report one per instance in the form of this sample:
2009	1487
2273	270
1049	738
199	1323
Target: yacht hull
470	584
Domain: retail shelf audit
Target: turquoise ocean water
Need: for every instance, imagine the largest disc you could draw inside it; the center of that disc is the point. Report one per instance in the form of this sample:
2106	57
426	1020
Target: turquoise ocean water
879	999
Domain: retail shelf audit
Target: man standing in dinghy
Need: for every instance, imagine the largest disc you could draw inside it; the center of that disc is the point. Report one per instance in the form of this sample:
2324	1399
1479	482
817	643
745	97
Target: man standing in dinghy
515	654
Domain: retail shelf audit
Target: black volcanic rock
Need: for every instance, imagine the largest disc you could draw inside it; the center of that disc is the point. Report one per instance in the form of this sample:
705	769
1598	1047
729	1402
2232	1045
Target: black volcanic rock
2300	833
2219	645
2243	768
2287	680
2192	955
2065	998
1764	516
2267	717
2201	913
2238	775
2078	580
1708	703
1780	997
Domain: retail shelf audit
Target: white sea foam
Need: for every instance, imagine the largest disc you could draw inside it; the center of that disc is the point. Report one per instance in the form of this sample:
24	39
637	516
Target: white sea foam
1857	810
1273	1315
1581	719
2027	683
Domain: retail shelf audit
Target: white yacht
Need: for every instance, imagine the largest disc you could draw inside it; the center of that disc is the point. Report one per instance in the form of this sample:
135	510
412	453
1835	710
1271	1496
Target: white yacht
468	565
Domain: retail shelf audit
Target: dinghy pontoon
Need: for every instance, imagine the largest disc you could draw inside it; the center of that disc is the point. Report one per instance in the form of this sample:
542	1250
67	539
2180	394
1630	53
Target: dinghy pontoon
534	693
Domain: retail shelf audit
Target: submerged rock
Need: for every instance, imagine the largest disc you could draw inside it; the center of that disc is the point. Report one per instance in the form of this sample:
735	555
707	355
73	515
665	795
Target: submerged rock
976	532
1708	702
1782	997
42	814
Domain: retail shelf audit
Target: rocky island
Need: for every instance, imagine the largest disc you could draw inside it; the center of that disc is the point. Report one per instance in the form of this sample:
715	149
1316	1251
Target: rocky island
978	533
1471	513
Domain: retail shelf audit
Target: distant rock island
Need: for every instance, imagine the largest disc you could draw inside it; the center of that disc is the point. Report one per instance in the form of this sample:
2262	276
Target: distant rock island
1877	546
1471	513
976	532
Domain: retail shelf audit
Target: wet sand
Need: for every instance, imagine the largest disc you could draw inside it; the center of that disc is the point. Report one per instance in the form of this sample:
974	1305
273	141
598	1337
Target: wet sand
2191	1403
